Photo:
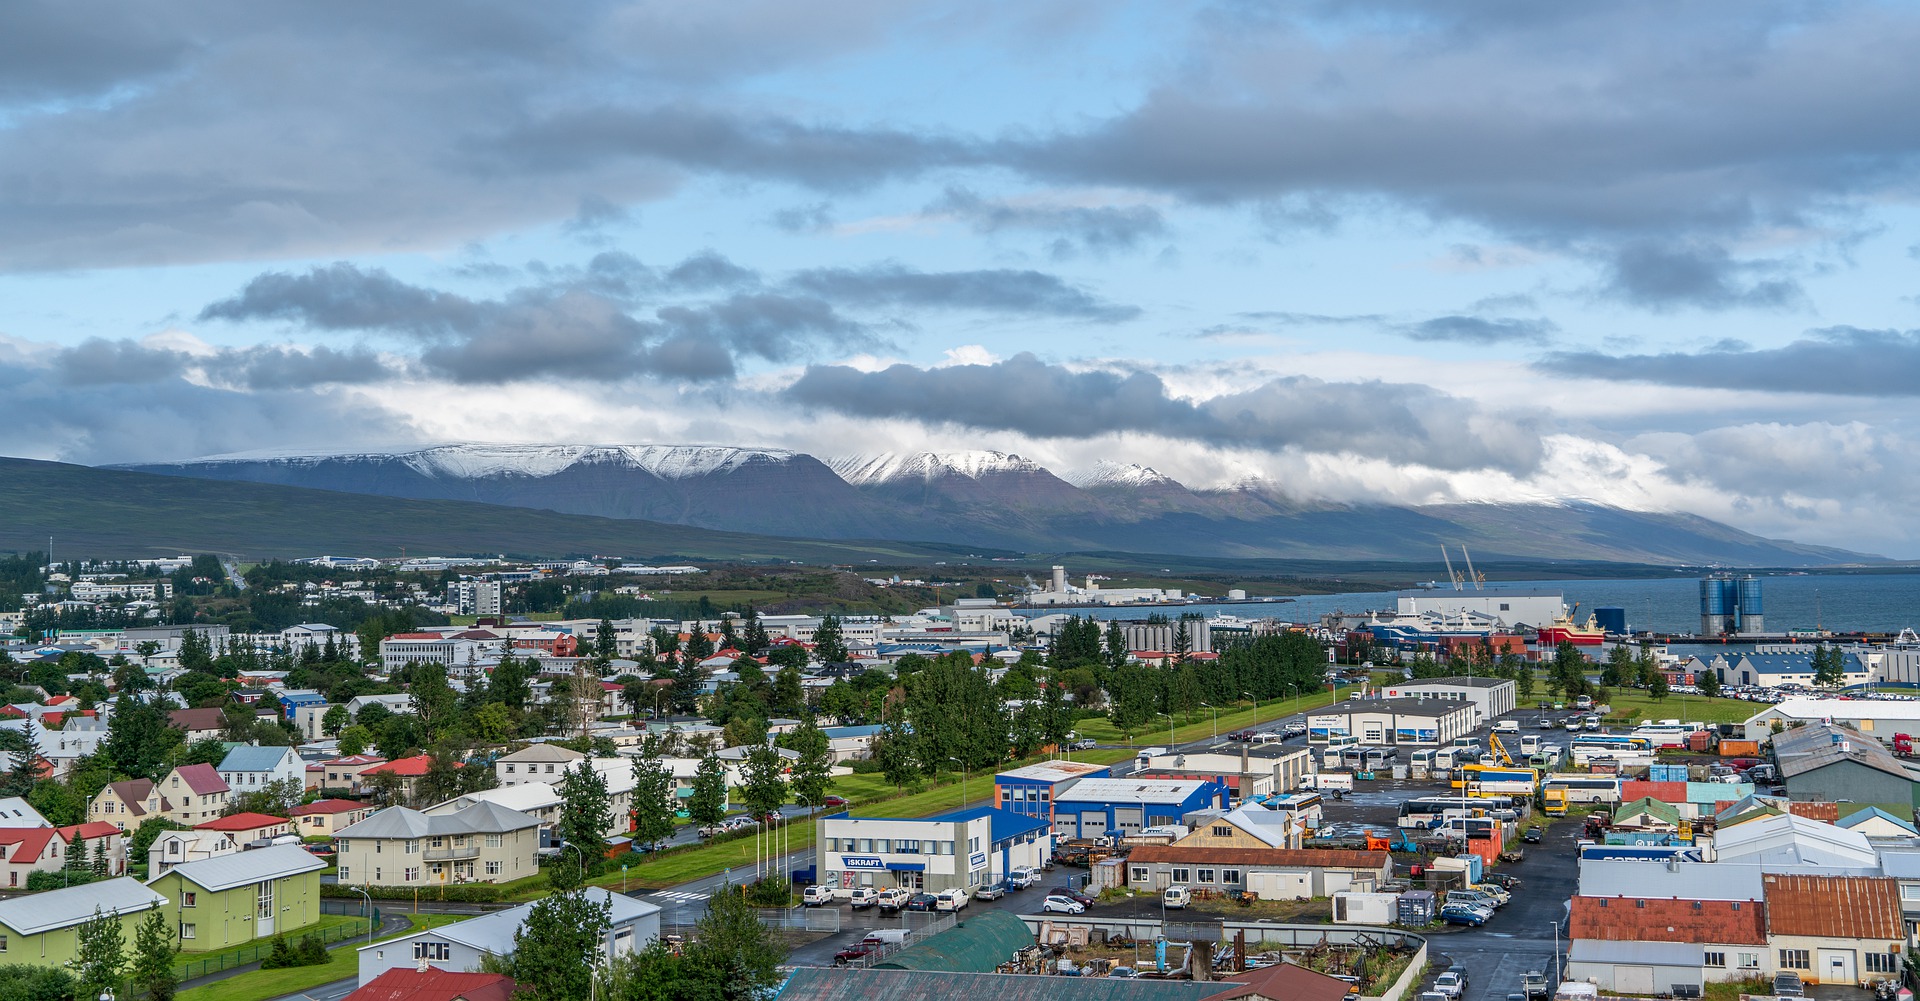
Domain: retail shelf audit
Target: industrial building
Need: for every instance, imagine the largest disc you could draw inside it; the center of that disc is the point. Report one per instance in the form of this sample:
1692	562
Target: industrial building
1093	808
1491	698
1879	720
1731	604
1512	607
1059	592
1031	790
1410	721
958	850
1828	763
1249	772
1770	669
1270	873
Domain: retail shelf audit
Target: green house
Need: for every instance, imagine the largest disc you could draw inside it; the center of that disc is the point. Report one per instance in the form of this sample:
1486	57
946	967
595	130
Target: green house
43	929
231	900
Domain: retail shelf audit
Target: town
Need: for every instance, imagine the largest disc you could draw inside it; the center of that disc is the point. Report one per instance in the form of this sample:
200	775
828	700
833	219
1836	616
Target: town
1466	789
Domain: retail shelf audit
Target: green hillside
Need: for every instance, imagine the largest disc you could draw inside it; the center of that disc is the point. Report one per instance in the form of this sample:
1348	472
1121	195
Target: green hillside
91	512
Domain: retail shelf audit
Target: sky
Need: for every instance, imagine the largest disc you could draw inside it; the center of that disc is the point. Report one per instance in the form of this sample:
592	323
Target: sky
1650	255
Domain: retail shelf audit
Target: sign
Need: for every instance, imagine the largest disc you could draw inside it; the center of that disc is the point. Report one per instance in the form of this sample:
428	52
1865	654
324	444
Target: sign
978	860
863	862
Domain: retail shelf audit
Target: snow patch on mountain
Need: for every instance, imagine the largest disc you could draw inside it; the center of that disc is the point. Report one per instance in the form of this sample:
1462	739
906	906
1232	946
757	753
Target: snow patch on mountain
474	461
886	467
1120	474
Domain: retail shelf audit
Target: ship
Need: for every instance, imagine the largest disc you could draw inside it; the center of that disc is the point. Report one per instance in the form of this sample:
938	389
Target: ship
1564	630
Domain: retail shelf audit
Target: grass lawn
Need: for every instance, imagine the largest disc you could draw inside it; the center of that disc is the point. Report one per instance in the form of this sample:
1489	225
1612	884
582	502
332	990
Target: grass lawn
1200	723
236	957
343	962
1632	705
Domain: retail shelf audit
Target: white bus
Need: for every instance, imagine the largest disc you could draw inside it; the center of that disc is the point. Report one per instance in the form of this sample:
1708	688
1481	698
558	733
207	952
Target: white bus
1602	789
1666	733
1530	744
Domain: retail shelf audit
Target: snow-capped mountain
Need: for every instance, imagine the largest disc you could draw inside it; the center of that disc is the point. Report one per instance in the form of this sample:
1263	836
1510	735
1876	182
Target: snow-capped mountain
1120	474
479	460
886	467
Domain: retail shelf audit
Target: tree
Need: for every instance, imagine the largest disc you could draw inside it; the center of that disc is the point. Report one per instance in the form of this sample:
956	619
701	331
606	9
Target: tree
100	866
139	739
100	954
763	781
636	693
828	645
586	812
1620	667
892	747
335	720
652	801
1708	681
1524	682
789	698
153	950
557	948
442	780
1829	667
354	740
707	805
734	952
604	643
1660	688
812	772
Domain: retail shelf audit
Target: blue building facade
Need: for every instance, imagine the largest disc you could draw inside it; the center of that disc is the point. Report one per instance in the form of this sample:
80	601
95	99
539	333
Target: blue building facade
1096	808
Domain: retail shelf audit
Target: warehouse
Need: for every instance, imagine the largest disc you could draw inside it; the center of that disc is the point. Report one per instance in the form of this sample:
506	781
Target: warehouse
1404	721
1827	763
1880	720
1492	698
1251	772
958	850
1032	790
1094	808
1270	873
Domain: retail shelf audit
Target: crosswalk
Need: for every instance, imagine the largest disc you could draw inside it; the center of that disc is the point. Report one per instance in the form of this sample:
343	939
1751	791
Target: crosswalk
679	896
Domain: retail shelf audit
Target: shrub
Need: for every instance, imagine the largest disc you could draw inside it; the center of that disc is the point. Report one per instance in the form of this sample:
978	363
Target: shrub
280	958
55	880
311	951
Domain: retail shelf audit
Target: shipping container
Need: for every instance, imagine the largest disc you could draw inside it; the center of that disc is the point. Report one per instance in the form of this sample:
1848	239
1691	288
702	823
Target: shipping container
1365	908
1416	908
1739	748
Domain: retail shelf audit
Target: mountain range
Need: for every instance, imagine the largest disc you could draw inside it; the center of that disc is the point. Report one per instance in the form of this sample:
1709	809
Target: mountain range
993	500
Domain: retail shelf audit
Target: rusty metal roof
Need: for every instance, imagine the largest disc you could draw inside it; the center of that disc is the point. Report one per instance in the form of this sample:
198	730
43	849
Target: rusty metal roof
1647	919
1861	907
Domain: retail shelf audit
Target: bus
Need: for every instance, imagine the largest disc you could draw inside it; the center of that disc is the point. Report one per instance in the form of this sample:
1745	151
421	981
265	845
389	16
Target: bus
1530	743
1632	741
1558	792
1666	733
1428	812
1336	745
1354	758
1381	757
1422	759
1496	780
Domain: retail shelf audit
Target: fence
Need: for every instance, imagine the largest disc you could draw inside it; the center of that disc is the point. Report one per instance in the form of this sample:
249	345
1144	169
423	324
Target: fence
190	969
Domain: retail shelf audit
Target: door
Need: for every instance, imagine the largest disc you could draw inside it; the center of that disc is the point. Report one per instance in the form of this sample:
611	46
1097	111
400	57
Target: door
263	912
1836	966
1633	979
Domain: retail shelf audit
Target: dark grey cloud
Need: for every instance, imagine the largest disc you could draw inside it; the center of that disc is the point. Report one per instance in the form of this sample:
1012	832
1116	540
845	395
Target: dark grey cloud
343	296
1096	228
100	362
1666	276
596	214
711	270
54	51
1845	361
813	218
1480	330
1399	423
1000	291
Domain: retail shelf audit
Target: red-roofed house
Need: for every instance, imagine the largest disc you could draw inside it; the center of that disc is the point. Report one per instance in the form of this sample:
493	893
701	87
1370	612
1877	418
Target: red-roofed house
321	818
408	769
95	832
30	849
194	794
433	984
1835	929
247	828
198	724
1636	945
348	774
1280	982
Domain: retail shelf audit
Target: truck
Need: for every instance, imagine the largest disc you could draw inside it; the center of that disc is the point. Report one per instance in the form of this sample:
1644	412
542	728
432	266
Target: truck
1146	756
1342	781
1534	984
1903	745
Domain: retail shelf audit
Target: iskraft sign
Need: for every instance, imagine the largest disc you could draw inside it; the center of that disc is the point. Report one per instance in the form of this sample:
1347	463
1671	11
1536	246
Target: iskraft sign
978	860
862	862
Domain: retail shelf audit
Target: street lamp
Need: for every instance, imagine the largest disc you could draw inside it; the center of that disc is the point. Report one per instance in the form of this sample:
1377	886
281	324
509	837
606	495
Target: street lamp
579	853
1216	719
963	780
1170	743
363	892
1556	951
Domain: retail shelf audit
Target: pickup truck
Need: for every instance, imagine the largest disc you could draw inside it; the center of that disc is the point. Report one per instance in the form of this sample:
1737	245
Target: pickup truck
1534	985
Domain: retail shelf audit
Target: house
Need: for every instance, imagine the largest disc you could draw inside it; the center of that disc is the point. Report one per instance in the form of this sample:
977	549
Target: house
1835	929
248	768
126	804
1646	816
483	842
94	836
16	812
326	817
1031	790
735	759
173	848
292	701
192	794
249	829
1254	826
542	799
462	944
1269	873
199	724
230	900
348	774
42	929
310	719
398	703
409	771
1877	823
534	763
1280	982
850	743
1649	945
26	850
434	984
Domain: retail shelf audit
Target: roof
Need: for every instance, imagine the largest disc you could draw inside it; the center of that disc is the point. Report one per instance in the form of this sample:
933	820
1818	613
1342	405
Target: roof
1858	907
328	806
1874	813
542	753
240	822
1130	790
27	843
133	792
400	822
1005	823
1683	880
198	719
224	872
90	830
250	758
1054	771
1818	745
405	767
976	945
354	761
818	984
842	732
1648	807
1319	858
494	932
1784	839
1643	919
433	984
1451	681
204	780
43	912
1283	980
1818	709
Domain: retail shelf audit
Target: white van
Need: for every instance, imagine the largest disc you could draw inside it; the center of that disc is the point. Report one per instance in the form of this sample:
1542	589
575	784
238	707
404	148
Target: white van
950	900
1265	737
1507	726
1147	754
888	936
1178	897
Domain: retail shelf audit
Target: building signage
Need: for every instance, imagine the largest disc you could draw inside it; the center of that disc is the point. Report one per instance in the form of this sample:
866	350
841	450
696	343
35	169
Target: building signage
978	860
863	862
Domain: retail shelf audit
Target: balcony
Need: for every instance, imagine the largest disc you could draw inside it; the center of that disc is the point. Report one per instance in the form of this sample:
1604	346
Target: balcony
452	854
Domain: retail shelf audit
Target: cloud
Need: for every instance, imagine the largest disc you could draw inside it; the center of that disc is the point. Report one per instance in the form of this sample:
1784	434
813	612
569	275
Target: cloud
1096	228
813	218
709	270
1399	423
1663	277
1002	291
1480	330
1846	361
100	362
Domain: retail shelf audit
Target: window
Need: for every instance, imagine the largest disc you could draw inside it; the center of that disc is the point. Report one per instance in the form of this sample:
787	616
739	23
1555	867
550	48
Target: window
441	951
883	845
1140	874
436	842
493	868
344	875
1230	877
1182	875
189	899
973	844
495	840
1748	960
509	769
1880	962
1795	959
946	848
376	874
263	903
186	931
412	874
1206	875
1714	959
412	847
866	844
3	943
906	847
1222	831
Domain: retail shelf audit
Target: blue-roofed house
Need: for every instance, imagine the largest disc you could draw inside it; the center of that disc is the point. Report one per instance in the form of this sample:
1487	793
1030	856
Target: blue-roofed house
1877	823
1768	670
961	849
249	767
850	743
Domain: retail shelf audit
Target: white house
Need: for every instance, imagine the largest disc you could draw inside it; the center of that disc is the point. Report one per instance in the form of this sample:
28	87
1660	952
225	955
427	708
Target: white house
460	946
249	768
180	847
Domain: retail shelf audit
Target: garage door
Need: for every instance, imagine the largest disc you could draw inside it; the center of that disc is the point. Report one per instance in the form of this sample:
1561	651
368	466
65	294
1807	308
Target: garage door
1633	980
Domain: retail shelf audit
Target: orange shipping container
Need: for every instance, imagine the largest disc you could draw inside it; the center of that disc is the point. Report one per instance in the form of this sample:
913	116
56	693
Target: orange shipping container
1739	748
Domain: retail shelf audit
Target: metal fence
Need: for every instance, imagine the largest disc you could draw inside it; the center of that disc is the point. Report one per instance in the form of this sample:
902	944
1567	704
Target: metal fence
189	969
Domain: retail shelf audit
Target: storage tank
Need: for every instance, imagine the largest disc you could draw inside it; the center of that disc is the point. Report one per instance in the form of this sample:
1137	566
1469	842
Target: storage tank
1717	597
1752	615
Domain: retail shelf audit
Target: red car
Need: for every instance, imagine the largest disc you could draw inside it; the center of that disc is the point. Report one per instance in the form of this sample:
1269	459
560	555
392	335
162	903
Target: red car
855	953
834	801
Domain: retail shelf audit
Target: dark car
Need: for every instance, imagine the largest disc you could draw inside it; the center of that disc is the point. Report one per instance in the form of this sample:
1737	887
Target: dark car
921	902
323	850
834	801
1078	897
1533	836
1240	735
855	953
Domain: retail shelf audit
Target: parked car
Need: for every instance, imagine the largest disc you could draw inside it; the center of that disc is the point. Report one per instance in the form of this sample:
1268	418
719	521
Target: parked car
1075	895
324	850
990	891
1449	984
1546	724
1022	877
1177	897
1461	914
1533	835
834	801
1083	744
1295	729
1461	972
816	895
864	897
1240	735
1122	973
921	902
950	900
1787	984
1533	985
893	898
1060	903
855	953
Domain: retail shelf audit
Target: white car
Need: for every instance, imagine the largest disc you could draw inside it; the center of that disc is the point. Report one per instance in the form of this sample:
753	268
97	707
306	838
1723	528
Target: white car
1021	878
1057	904
864	897
950	900
816	895
1448	984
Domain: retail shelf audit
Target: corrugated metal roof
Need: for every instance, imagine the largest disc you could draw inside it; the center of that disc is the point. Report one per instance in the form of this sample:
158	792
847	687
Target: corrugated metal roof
1640	919
479	818
41	912
1807	748
248	758
1054	771
1130	791
224	872
1682	880
433	984
494	932
1324	858
1865	907
815	984
975	945
203	779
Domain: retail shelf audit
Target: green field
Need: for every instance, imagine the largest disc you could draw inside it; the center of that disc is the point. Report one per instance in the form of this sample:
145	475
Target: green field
1633	705
343	962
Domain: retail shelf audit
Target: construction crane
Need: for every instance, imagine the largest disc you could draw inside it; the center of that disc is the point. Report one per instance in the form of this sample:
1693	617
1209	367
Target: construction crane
1453	576
1499	750
1479	579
